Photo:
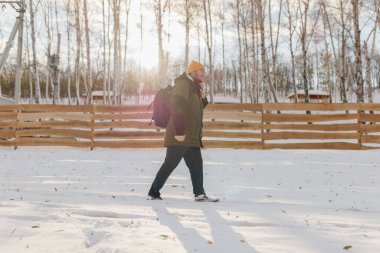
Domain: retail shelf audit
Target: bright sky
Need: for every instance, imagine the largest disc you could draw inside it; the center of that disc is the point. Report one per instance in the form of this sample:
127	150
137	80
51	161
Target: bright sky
148	56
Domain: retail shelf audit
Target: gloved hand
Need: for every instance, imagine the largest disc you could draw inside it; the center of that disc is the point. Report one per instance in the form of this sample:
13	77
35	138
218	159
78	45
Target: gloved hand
180	138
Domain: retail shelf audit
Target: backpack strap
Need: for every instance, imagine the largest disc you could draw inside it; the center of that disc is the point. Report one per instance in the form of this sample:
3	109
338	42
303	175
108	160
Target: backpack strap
151	119
150	105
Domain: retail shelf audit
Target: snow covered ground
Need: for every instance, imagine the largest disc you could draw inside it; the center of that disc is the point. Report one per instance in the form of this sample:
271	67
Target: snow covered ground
76	200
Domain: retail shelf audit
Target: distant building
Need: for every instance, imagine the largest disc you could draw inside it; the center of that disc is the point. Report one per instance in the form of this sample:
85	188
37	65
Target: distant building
316	96
5	100
97	96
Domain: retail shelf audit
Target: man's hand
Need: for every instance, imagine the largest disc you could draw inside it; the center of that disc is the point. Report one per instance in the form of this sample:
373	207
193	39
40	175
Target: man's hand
203	93
180	138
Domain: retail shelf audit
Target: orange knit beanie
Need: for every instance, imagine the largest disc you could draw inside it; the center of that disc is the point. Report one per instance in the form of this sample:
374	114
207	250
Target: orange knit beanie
194	66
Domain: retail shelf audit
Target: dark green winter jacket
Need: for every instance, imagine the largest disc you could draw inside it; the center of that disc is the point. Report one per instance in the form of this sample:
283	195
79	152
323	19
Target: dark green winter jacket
186	113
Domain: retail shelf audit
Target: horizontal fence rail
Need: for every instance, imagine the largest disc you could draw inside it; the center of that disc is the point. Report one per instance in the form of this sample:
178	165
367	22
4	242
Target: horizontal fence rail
248	126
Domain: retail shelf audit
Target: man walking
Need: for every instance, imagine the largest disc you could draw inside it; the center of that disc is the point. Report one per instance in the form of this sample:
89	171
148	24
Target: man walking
183	137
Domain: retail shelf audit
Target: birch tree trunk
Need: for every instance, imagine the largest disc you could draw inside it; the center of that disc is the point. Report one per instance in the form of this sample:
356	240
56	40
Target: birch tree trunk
343	67
57	86
292	57
47	18
78	50
371	55
109	81
209	43
141	78
68	14
199	42
88	54
368	73
328	67
37	90
265	66
105	100
240	53
247	82
339	63
30	74
358	52
84	67
116	51
303	35
119	60
255	83
187	31
222	21
168	36
127	11
274	42
159	7
55	72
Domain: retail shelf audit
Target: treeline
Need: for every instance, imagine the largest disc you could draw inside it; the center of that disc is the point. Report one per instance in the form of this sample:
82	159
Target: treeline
254	50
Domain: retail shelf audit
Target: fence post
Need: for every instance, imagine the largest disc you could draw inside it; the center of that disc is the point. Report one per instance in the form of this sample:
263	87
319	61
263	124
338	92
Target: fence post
359	131
92	126
18	111
262	127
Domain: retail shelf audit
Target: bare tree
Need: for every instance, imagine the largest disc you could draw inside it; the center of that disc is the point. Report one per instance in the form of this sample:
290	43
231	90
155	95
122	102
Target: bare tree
209	44
105	100
264	61
341	53
160	7
168	40
343	45
141	48
88	53
368	73
376	5
78	49
358	52
127	12
188	17
188	9
246	65
116	27
291	28
54	68
37	91
305	34
110	41
255	47
238	25
56	72
198	27
117	50
326	58
47	19
222	20
274	41
119	60
370	55
68	14
29	66
340	61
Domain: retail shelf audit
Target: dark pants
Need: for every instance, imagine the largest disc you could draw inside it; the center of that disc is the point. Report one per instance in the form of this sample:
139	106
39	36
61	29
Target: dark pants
174	155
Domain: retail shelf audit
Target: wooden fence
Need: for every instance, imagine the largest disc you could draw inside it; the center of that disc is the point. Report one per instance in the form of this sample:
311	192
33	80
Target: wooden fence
250	126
